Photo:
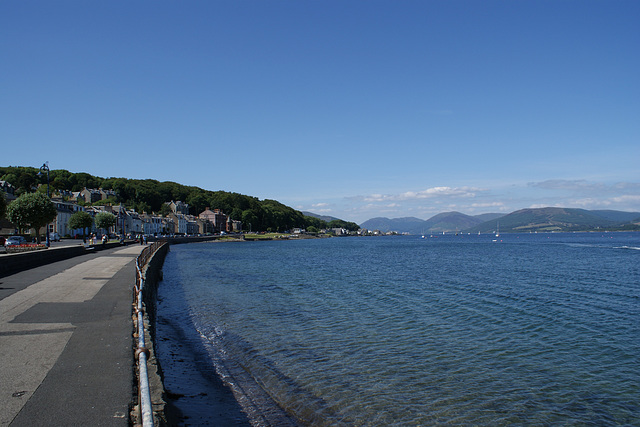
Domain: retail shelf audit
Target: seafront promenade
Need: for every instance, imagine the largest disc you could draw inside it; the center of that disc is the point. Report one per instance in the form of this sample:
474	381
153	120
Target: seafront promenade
66	341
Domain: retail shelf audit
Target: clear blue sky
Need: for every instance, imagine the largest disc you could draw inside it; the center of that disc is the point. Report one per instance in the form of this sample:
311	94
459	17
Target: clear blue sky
354	109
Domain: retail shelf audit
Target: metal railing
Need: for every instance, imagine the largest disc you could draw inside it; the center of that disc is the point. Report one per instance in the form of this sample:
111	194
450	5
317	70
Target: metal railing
142	352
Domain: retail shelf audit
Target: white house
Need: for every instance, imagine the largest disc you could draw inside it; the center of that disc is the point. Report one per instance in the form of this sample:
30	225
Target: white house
181	222
152	224
60	224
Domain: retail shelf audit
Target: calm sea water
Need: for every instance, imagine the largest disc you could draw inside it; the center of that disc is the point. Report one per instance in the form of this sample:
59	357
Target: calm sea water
531	329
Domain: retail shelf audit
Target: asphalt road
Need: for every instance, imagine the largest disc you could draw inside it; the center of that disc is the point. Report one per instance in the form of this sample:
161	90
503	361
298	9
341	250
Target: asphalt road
66	341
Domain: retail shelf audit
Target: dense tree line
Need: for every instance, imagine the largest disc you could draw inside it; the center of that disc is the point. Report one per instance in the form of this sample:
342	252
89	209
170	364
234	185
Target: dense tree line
149	195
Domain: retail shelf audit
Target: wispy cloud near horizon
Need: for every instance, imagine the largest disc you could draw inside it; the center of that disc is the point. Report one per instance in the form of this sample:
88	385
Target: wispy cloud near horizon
473	200
582	185
429	193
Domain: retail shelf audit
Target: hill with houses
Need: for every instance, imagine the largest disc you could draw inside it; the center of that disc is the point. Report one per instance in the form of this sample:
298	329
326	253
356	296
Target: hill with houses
154	204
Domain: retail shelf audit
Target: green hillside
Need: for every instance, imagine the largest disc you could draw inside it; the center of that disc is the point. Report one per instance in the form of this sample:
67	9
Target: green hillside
557	219
148	195
446	221
521	221
450	221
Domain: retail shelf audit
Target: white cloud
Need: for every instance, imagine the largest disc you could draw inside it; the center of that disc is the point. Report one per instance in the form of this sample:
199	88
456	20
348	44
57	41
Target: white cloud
322	211
589	203
627	198
565	184
584	186
429	193
623	202
546	205
631	186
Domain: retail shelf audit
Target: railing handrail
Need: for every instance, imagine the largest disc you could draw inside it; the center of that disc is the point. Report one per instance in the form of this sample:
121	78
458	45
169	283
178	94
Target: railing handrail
142	352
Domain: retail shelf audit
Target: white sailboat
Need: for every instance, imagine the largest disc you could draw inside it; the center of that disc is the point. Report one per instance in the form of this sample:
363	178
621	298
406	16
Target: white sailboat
498	230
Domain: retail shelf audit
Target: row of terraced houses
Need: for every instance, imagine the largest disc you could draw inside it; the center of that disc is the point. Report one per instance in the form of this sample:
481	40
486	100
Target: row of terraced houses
130	222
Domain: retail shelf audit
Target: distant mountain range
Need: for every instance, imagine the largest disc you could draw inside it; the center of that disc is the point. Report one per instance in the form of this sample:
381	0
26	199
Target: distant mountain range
446	221
322	217
524	220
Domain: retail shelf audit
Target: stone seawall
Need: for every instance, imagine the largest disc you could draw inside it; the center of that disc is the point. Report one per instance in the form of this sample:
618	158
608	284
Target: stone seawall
15	263
152	275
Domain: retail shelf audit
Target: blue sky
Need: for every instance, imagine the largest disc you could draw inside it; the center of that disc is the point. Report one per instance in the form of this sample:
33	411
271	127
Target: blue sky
354	109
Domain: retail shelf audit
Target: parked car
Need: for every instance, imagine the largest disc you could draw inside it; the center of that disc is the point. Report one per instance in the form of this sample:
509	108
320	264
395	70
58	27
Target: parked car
15	241
54	237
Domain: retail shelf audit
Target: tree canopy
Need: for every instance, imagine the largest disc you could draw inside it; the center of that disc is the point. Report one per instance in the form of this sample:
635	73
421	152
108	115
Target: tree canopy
338	223
31	210
80	220
105	220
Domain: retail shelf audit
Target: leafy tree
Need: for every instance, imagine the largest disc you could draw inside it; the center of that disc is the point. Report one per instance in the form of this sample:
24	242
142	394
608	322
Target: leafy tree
178	191
119	185
236	214
60	179
153	197
105	220
164	189
318	223
165	210
32	210
221	200
24	180
41	189
197	202
338	223
143	207
110	201
81	180
80	219
249	220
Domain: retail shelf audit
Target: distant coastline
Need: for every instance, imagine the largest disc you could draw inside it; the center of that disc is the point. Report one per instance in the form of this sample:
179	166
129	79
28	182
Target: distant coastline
549	219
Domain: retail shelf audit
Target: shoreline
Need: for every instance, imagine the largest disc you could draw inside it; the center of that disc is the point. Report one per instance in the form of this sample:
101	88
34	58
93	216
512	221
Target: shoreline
209	385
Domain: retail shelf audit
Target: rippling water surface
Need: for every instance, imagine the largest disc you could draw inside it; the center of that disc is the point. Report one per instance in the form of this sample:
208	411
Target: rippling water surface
524	329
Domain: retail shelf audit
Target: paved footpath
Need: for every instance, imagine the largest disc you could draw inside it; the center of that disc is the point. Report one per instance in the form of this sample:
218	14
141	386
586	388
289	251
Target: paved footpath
66	341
